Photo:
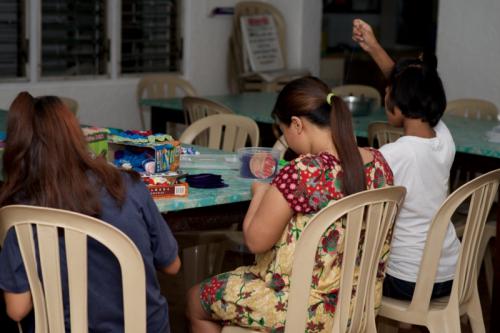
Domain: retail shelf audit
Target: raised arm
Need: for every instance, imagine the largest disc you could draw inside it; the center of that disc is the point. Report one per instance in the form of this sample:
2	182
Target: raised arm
362	34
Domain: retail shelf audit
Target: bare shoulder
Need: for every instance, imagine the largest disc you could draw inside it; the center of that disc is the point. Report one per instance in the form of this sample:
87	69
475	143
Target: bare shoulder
366	155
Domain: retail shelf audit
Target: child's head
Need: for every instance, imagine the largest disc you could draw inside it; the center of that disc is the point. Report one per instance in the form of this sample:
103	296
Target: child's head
310	101
415	88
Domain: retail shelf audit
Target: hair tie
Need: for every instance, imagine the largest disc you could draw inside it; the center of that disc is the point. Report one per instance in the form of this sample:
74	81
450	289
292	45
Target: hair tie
329	98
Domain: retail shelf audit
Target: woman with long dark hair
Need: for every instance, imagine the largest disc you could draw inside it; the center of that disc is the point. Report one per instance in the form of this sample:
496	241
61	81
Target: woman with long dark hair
47	163
317	126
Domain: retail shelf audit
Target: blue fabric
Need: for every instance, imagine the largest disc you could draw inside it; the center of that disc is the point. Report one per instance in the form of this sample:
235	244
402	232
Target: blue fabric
400	289
140	220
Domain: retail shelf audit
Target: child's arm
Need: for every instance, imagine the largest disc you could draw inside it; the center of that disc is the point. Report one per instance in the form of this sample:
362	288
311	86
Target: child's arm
18	304
266	218
362	33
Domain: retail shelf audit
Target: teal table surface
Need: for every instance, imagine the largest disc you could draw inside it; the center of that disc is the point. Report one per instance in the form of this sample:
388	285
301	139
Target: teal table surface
256	105
469	134
237	191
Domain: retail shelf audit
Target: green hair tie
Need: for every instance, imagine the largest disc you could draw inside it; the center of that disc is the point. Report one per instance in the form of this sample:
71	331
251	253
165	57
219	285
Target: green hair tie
329	98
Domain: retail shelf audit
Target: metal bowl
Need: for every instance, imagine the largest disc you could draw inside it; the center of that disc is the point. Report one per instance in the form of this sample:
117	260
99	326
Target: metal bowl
359	105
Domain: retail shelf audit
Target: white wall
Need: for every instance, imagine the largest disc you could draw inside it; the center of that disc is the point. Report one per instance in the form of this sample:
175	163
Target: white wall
108	102
468	48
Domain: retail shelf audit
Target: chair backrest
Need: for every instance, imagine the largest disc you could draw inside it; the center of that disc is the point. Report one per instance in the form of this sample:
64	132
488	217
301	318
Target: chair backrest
162	86
47	298
358	90
226	131
472	108
248	8
369	213
196	108
71	104
382	132
480	192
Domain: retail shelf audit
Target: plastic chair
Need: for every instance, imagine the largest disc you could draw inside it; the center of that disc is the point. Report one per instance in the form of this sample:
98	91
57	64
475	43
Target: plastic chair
226	131
161	86
47	297
374	213
443	315
71	104
472	108
196	108
239	77
383	133
485	252
358	90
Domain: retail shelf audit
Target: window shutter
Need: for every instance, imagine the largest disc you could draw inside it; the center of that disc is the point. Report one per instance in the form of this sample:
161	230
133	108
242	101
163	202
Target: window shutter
150	39
74	40
13	45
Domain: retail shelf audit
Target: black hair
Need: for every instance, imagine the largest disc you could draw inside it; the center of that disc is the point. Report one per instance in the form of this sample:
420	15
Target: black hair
417	89
307	97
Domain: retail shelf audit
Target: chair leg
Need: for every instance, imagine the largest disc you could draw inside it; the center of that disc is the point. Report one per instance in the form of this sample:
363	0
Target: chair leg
475	314
194	259
488	271
444	322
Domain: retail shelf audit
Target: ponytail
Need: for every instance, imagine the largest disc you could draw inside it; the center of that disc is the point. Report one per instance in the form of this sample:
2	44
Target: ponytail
347	148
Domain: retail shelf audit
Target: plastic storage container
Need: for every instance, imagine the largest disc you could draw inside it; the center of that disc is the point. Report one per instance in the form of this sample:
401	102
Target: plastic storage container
258	162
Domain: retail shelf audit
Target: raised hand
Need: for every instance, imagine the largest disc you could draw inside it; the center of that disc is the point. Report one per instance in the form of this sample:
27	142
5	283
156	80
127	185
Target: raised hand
362	33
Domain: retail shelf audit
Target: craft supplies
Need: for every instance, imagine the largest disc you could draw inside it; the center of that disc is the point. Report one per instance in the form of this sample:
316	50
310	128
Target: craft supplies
258	162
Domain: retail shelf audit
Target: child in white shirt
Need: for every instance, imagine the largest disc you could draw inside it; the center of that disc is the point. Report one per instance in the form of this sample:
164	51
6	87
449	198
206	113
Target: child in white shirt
420	160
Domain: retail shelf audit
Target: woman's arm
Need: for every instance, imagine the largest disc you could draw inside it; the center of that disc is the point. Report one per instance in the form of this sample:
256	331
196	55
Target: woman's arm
266	218
362	33
18	304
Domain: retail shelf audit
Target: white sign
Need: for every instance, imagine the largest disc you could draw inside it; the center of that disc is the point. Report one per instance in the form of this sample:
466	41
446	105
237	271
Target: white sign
261	43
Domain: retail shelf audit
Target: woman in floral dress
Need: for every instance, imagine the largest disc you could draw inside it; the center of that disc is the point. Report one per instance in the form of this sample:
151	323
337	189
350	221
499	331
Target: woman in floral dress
318	126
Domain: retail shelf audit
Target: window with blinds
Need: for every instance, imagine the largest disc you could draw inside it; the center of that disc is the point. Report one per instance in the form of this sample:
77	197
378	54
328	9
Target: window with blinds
74	40
150	36
13	44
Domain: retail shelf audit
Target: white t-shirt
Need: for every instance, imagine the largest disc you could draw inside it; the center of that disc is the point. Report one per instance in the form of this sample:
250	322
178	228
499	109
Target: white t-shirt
423	167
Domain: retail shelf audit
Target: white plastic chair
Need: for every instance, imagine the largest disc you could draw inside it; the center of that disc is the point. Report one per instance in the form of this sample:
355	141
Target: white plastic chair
196	108
374	212
472	108
226	131
383	133
443	315
161	86
240	78
47	297
71	104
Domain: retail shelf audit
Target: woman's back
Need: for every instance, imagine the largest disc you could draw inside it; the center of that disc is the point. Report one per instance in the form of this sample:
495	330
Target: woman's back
139	219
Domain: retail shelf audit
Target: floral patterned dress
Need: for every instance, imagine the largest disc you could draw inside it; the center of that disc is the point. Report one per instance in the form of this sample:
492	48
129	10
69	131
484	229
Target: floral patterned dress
256	296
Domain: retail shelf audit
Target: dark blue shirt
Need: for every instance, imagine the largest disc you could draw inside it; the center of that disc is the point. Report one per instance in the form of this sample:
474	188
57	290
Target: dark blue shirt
141	221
